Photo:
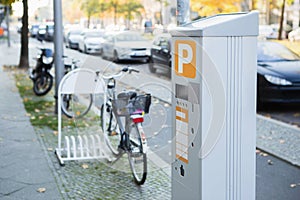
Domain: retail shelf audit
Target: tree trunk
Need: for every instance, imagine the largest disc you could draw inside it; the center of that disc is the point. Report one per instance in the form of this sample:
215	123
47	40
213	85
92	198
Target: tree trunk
115	14
281	21
24	63
89	20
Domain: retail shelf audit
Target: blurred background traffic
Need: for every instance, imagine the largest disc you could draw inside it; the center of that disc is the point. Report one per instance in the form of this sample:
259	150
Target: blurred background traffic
136	31
150	16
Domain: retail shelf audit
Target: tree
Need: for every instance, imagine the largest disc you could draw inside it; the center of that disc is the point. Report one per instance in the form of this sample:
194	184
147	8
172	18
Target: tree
212	7
103	6
129	8
90	7
24	62
5	3
163	3
114	5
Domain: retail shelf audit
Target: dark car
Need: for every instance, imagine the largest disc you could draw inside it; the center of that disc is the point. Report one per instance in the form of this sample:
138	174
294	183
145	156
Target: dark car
160	57
49	35
34	30
41	32
278	74
72	38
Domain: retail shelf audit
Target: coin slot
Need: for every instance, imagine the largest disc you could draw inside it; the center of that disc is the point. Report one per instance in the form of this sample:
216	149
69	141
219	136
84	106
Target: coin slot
181	170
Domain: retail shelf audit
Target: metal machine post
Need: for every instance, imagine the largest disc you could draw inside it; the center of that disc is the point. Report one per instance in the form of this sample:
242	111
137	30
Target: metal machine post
214	104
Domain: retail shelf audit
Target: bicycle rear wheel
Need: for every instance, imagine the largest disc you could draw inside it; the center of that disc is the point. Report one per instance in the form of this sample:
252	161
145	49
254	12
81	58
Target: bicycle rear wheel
136	154
112	134
75	105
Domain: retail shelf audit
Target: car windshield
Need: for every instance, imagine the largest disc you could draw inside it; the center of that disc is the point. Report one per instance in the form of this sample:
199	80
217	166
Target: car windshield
271	51
75	32
94	34
129	37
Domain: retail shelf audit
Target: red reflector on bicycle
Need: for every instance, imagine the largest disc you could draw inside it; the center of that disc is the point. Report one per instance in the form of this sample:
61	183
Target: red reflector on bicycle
138	120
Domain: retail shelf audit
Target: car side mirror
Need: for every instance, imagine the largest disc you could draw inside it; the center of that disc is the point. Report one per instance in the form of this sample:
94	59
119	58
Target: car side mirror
165	49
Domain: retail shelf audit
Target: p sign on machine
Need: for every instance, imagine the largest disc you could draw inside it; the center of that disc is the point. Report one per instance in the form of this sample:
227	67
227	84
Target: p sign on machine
214	123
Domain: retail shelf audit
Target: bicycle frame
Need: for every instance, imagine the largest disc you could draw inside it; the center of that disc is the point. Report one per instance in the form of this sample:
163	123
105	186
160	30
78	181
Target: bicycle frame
137	118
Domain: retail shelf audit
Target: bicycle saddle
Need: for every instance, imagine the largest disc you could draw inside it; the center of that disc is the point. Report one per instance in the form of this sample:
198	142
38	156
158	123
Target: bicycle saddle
127	94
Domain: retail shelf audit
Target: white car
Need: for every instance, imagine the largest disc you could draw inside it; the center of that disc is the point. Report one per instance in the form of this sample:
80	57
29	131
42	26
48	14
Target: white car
72	38
267	32
90	41
294	35
126	45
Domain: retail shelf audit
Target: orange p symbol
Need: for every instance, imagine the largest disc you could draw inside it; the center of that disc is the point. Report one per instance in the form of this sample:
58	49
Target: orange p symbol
185	58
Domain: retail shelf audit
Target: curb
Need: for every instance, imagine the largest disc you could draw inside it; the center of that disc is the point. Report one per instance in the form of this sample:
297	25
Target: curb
279	139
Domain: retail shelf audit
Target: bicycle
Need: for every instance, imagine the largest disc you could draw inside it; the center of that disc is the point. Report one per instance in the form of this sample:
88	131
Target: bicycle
72	104
128	137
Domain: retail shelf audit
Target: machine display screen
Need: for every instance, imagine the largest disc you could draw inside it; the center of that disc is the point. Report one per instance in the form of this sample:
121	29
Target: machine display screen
181	91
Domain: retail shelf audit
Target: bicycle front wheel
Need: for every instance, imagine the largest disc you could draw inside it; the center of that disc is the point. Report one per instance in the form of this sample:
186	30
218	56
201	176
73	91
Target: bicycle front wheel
111	133
75	105
137	154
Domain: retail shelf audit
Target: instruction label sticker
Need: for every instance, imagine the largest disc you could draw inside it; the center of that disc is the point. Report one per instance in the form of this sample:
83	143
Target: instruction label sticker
185	58
182	137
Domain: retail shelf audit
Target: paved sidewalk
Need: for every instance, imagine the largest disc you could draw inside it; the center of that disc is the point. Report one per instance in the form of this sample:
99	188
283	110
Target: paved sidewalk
24	169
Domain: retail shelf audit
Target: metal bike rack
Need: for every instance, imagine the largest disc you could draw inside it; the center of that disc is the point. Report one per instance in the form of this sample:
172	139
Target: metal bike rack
80	147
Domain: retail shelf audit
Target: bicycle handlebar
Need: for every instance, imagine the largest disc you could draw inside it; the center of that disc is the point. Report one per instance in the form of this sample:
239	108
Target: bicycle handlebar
125	69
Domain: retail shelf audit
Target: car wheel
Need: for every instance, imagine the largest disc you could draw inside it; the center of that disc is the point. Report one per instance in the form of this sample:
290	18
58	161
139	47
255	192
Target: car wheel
116	58
152	69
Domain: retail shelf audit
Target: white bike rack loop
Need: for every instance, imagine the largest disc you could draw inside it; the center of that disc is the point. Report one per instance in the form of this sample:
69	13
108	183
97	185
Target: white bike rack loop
83	146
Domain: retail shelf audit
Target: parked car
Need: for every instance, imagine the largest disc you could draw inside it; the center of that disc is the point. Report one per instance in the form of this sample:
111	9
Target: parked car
267	32
160	56
294	35
278	74
125	45
33	30
90	41
49	35
72	38
41	32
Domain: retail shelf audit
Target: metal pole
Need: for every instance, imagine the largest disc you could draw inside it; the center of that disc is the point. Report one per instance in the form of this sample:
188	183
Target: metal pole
7	23
183	12
58	48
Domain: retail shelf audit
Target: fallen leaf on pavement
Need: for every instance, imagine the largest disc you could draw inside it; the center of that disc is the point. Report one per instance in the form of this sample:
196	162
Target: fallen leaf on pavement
55	133
36	110
41	190
50	149
85	166
281	141
270	162
263	154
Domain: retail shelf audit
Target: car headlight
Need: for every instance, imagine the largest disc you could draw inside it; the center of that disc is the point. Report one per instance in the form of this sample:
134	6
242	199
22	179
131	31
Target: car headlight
277	81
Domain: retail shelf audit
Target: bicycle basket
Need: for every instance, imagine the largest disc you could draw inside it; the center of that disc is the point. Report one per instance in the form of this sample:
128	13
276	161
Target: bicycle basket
121	105
141	102
122	102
